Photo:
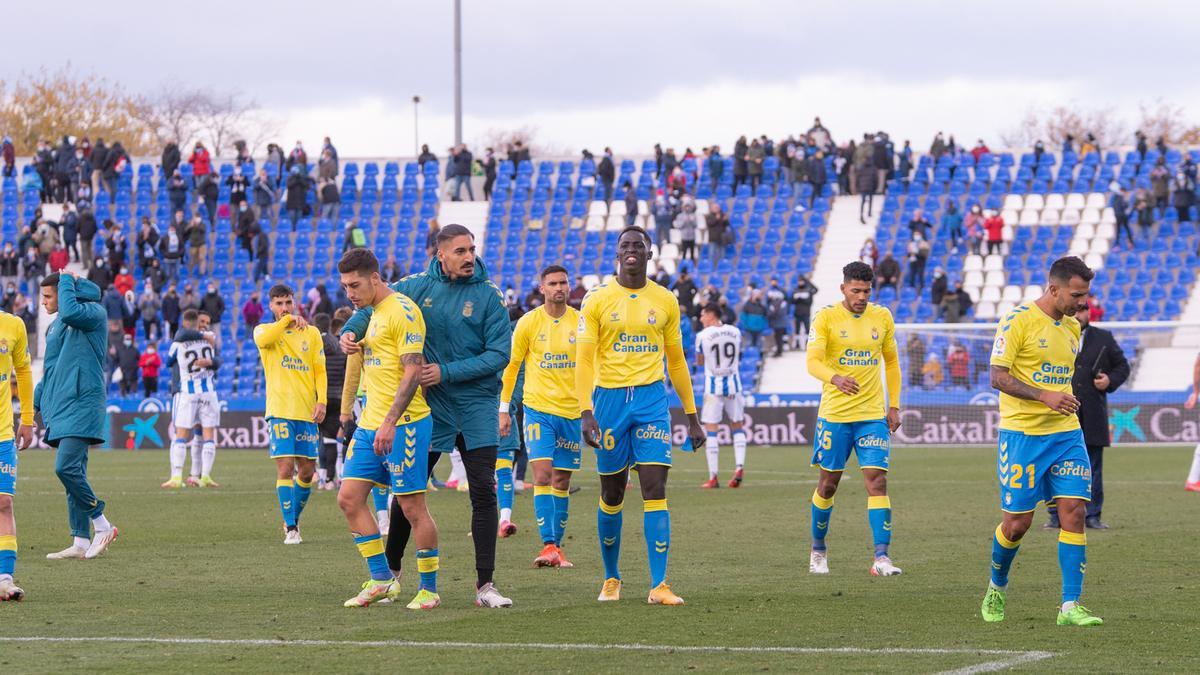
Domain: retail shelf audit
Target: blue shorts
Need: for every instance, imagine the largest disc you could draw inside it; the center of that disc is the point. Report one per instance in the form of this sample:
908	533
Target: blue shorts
1036	469
8	467
834	441
293	438
635	427
405	470
550	438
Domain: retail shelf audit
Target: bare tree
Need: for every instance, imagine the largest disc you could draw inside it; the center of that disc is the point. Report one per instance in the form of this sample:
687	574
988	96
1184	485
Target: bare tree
1161	119
172	113
1054	125
499	139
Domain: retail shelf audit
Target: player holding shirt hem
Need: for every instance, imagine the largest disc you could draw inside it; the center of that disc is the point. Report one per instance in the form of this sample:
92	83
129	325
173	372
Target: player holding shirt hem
14	358
544	341
845	346
627	329
1041	455
390	448
293	358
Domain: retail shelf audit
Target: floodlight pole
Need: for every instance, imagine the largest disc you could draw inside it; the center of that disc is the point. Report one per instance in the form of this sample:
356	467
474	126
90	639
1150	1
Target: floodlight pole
457	72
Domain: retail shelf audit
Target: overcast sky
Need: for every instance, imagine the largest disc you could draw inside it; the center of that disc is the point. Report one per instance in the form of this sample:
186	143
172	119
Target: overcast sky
628	73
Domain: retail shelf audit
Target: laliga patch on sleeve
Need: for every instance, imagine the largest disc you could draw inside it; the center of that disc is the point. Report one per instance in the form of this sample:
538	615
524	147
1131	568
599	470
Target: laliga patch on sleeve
998	347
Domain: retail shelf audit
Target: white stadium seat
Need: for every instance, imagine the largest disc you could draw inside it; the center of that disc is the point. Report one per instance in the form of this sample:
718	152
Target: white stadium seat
1076	200
985	310
1029	217
1069	217
993	263
599	208
1010	216
615	223
973	279
617	208
1106	230
994	279
1085	230
989	294
1099	246
1032	293
972	293
1034	202
595	223
1090	216
1054	201
1003	308
1097	200
1107	215
1006	234
973	263
1094	261
1011	293
1049	217
1013	203
1078	247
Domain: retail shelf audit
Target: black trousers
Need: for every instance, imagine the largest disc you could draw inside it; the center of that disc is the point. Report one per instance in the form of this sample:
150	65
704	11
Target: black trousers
480	464
1096	457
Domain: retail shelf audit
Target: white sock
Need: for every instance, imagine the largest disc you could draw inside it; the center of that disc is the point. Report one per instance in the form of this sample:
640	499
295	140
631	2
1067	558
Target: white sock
1068	606
739	448
82	542
1194	474
341	458
322	475
712	451
101	523
381	517
197	462
992	584
505	514
178	456
6	577
458	472
209	455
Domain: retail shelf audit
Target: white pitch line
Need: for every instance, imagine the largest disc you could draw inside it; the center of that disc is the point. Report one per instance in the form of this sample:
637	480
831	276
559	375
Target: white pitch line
1012	657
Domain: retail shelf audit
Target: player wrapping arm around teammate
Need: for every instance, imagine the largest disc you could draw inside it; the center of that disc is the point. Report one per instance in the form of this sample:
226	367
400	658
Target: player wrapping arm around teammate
293	359
845	346
14	358
391	445
628	327
1041	455
719	350
193	355
545	343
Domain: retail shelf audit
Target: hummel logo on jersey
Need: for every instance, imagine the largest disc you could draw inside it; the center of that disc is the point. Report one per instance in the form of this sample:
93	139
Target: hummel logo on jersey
843	333
1041	343
615	316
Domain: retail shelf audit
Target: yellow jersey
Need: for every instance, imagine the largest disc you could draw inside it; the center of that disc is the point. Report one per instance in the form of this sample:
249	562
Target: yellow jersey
294	366
631	329
396	329
547	347
1040	352
14	358
857	345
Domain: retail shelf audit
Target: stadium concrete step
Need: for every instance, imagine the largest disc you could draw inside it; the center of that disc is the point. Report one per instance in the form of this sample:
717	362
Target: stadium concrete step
472	215
844	237
787	375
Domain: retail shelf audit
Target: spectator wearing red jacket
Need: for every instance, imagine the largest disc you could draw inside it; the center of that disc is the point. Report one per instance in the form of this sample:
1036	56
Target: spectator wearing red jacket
1095	309
959	363
995	232
149	363
123	281
201	163
59	258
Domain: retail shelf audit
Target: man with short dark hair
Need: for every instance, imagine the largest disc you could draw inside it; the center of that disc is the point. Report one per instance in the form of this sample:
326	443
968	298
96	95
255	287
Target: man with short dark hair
469	341
848	342
1041	454
71	401
192	355
293	359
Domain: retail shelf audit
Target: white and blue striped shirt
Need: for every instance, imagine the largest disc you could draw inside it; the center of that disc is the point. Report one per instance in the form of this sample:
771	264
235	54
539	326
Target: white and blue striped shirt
721	347
193	379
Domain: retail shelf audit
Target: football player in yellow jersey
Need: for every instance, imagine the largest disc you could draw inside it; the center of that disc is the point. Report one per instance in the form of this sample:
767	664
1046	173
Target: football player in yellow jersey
293	359
390	448
544	341
628	327
1042	456
846	344
14	358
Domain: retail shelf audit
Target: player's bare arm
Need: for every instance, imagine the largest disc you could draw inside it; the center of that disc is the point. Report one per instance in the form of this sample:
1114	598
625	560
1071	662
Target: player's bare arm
845	384
1060	402
591	428
404	395
1191	399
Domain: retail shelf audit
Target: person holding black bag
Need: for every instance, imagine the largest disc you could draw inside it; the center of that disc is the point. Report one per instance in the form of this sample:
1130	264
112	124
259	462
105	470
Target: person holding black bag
1100	369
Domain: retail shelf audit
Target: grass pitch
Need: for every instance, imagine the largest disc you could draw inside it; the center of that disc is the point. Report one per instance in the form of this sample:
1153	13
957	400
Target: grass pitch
209	565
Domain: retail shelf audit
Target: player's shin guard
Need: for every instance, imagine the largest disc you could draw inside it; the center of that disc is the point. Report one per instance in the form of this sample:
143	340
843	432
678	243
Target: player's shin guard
300	491
285	490
178	456
739	447
822	509
427	566
712	451
208	455
561	499
370	547
504	487
197	448
8	554
1003	553
608	527
656	522
879	514
1072	560
543	510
